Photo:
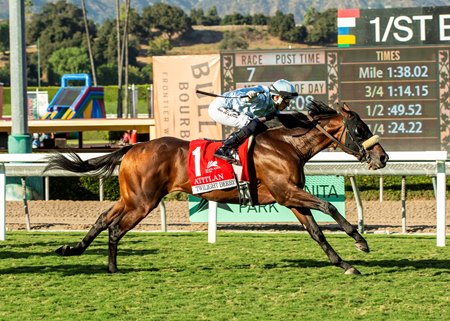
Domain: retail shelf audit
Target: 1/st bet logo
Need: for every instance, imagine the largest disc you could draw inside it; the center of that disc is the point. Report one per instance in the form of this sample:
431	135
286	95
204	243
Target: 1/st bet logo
402	27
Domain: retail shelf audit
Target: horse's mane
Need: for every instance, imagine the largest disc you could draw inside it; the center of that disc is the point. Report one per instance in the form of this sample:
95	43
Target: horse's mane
297	119
319	108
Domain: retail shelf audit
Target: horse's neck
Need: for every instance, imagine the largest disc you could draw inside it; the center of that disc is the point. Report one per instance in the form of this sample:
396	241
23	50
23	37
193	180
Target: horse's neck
333	128
304	137
315	140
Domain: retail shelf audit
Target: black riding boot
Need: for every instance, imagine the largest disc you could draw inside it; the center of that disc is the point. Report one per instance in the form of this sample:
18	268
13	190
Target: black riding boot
233	141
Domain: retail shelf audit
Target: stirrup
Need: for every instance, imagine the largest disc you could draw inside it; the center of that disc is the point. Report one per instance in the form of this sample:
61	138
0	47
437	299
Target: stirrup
224	154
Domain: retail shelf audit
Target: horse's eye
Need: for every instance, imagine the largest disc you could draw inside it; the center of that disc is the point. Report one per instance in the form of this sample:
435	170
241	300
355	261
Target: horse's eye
360	131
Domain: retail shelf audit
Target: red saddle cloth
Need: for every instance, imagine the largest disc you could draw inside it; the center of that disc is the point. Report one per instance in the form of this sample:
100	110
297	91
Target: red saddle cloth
207	172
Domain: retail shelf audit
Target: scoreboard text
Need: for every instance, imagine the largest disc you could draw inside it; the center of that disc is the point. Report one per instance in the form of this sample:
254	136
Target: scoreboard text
402	93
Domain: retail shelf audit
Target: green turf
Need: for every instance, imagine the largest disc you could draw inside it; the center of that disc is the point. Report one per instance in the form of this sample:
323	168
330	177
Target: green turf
244	276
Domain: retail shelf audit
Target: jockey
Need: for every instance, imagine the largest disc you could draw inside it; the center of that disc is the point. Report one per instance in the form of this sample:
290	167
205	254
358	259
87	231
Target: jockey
246	108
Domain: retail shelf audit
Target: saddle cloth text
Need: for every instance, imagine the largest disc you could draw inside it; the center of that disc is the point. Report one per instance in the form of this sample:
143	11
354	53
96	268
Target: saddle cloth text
208	173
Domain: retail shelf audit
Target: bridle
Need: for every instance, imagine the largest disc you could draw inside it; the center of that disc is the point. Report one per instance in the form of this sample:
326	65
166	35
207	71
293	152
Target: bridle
361	153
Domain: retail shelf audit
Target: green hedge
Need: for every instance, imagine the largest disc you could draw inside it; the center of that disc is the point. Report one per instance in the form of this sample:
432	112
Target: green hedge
82	188
110	98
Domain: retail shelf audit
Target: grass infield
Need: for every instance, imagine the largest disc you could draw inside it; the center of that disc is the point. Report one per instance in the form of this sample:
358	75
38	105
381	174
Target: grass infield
244	276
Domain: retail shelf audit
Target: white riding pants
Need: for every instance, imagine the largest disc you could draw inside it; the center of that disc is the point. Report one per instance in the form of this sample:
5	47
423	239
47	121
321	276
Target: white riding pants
227	117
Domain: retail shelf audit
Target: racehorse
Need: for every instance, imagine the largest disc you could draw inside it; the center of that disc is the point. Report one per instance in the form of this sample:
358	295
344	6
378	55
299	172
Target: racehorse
149	171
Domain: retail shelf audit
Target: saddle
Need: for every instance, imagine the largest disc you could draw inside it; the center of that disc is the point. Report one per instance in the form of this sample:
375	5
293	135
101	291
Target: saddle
207	173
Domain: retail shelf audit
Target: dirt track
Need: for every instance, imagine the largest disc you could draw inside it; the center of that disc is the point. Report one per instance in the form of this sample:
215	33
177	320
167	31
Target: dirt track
80	215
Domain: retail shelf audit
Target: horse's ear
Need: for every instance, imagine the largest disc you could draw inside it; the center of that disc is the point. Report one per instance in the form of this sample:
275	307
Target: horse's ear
344	109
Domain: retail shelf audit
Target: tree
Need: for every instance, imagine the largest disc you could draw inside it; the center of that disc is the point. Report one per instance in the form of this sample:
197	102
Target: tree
310	16
105	47
159	46
286	26
147	72
4	37
59	25
236	19
233	40
167	19
212	18
197	16
107	74
324	28
260	19
135	27
69	61
5	75
274	27
298	34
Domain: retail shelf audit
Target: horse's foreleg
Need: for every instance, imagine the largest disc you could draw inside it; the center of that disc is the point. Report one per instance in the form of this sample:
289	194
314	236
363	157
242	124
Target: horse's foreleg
304	199
361	243
330	209
313	229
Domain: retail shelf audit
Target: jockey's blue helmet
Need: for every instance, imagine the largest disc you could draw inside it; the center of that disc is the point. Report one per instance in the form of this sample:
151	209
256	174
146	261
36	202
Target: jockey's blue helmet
284	89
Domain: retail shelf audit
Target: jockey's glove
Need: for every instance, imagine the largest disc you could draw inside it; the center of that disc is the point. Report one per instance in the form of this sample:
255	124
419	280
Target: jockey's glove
271	116
251	95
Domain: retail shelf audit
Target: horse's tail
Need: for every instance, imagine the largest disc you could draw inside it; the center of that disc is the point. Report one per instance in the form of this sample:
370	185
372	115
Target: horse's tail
102	166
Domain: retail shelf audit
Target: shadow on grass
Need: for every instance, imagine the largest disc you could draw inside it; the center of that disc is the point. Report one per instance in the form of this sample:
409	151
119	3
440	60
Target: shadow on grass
405	263
385	264
71	269
388	266
92	251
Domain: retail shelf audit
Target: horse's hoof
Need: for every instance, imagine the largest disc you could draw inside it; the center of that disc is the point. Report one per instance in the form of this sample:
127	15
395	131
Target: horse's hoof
352	271
362	246
62	250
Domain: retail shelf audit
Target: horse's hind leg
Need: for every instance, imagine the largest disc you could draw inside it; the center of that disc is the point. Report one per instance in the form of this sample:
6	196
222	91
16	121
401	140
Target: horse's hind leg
100	225
120	226
313	229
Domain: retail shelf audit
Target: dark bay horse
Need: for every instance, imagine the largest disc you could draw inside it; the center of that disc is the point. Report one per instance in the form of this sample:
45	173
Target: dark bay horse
149	171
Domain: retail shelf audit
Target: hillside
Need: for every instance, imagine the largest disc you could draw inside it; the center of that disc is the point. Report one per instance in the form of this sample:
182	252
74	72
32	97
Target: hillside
100	10
206	40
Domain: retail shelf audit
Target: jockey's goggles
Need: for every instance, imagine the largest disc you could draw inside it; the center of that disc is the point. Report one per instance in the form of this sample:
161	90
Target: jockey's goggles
285	94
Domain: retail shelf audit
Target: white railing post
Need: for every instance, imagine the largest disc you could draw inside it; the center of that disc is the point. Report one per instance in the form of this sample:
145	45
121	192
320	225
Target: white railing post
359	206
2	202
47	187
162	209
403	198
101	189
440	203
212	221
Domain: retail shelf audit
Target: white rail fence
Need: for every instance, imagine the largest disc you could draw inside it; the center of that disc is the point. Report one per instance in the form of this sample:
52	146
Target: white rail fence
403	164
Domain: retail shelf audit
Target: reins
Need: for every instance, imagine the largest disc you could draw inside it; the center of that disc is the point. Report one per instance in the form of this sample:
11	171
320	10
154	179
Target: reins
336	141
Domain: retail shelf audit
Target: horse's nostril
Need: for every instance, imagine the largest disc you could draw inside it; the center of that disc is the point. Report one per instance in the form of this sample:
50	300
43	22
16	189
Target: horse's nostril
384	159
